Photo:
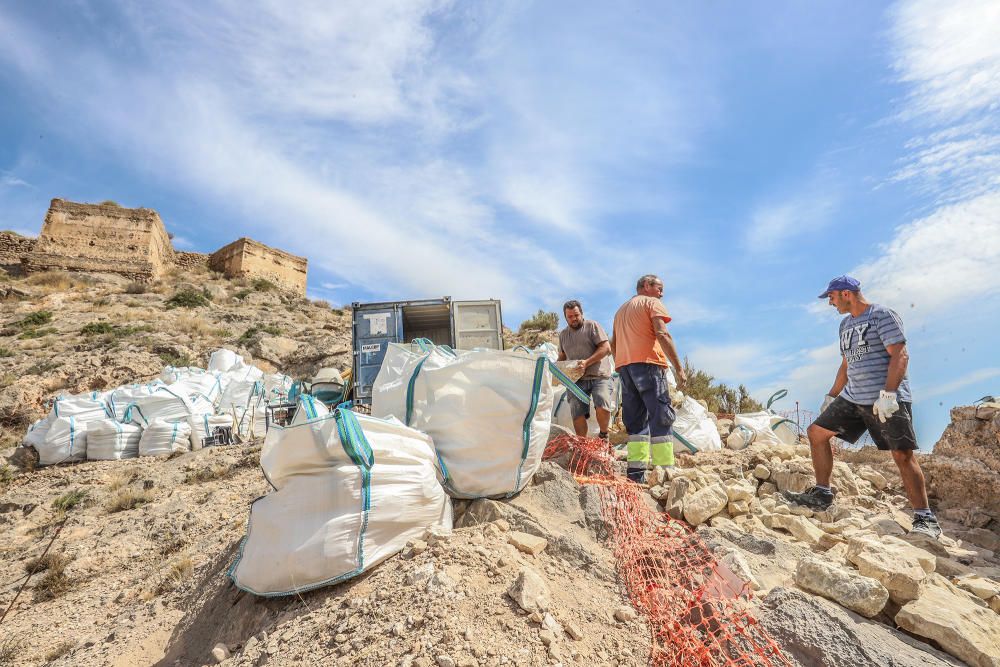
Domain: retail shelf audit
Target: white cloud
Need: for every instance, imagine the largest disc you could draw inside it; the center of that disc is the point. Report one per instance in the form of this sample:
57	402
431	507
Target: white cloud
973	377
182	242
332	286
734	362
939	262
10	180
811	208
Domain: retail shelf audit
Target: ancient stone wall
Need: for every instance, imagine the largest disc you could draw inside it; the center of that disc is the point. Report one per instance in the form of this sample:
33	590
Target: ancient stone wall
250	259
14	247
104	238
190	260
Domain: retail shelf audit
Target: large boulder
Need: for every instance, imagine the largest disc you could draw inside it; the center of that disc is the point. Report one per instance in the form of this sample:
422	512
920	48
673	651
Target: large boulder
858	593
800	527
813	632
958	625
704	504
897	565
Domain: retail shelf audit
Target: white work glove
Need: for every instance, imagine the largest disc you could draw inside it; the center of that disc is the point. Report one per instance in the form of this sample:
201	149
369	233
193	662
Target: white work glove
886	405
827	400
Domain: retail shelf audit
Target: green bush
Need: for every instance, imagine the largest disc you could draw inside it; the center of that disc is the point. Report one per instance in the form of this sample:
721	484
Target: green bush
262	285
36	319
542	321
97	328
249	334
176	360
136	288
5	352
720	397
242	294
37	333
187	298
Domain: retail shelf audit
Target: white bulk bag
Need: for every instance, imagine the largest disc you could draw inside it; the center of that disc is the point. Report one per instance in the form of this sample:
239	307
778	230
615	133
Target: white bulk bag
222	360
203	426
206	385
162	437
769	428
308	408
277	386
36	433
740	437
109	440
694	429
351	490
119	399
85	407
171	374
65	441
488	411
164	404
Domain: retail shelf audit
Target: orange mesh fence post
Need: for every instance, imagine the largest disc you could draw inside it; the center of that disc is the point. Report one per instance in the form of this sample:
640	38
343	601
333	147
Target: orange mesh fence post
698	610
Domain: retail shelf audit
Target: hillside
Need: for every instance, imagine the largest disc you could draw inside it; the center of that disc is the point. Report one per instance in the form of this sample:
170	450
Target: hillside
137	550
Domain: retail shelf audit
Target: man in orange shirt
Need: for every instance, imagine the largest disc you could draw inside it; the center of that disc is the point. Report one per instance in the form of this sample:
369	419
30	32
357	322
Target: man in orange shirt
641	347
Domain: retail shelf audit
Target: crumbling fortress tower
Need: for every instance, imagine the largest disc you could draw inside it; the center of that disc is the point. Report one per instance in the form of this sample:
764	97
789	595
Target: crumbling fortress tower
132	242
248	258
102	237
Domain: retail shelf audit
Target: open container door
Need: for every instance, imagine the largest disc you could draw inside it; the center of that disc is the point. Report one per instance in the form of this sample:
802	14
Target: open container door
375	326
477	324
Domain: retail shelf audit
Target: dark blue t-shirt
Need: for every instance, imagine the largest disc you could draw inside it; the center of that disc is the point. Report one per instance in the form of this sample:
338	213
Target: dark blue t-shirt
862	342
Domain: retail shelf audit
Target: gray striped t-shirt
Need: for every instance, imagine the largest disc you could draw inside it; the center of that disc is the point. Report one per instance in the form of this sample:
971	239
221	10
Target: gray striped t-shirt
862	342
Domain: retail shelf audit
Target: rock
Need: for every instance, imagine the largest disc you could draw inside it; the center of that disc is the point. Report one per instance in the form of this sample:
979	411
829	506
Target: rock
483	510
529	591
981	537
658	492
657	477
979	586
593	513
874	478
220	653
798	526
884	524
735	561
418	547
625	614
737	507
815	632
858	593
547	636
704	504
897	565
445	660
995	604
420	575
766	489
276	349
761	472
741	490
529	544
573	630
960	627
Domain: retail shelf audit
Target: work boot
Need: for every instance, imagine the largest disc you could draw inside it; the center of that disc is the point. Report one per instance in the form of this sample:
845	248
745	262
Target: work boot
926	525
814	498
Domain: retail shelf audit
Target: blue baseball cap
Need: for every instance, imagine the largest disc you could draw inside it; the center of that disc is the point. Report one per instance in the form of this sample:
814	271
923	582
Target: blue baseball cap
841	283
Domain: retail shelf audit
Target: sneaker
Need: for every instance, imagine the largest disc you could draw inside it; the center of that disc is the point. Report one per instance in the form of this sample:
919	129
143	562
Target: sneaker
814	498
926	525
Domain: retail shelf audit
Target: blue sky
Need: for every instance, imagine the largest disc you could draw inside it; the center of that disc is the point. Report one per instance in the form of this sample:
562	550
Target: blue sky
535	152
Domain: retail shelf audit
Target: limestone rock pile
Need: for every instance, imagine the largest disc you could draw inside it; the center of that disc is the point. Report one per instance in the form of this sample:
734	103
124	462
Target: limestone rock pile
858	553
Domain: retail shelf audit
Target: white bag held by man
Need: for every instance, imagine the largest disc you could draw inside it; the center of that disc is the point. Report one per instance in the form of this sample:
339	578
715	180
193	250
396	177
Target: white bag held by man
109	440
488	411
65	441
350	491
161	437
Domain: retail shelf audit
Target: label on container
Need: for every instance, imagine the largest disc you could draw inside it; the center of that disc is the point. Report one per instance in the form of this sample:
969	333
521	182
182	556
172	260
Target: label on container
378	323
371	347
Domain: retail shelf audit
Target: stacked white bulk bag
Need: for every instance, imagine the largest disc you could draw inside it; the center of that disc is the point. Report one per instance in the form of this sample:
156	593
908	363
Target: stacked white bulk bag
65	441
36	433
222	360
206	385
172	374
109	440
350	491
163	403
694	429
85	407
122	397
488	411
161	437
203	426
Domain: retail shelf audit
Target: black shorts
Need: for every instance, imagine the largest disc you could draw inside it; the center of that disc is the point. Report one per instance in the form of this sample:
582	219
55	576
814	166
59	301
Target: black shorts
850	420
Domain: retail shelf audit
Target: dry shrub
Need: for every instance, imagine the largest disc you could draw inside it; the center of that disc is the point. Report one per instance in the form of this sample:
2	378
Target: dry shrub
53	280
863	455
69	500
178	572
50	561
207	474
194	326
136	288
10	650
59	650
127	498
55	582
120	479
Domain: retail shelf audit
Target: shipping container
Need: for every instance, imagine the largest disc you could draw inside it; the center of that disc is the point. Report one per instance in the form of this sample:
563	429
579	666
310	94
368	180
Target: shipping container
463	325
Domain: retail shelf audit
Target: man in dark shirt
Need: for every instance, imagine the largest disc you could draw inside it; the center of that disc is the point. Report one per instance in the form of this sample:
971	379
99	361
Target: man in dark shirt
585	340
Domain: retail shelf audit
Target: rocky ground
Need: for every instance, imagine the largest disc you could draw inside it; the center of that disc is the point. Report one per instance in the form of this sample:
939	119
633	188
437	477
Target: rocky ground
137	550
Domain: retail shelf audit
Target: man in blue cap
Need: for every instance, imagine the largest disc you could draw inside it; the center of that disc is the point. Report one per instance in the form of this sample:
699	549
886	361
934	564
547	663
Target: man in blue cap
871	393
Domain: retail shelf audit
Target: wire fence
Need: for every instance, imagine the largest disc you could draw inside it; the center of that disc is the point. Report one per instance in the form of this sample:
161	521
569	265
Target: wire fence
698	609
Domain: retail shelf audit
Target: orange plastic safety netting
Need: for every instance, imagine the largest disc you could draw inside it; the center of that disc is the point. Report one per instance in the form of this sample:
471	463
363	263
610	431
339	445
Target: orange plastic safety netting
698	610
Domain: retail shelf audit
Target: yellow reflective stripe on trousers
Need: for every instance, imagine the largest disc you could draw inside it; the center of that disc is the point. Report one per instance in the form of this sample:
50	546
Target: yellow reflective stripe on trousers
638	452
662	453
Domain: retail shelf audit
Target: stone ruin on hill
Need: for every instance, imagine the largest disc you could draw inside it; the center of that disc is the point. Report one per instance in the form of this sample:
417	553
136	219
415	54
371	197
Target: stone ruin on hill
133	242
